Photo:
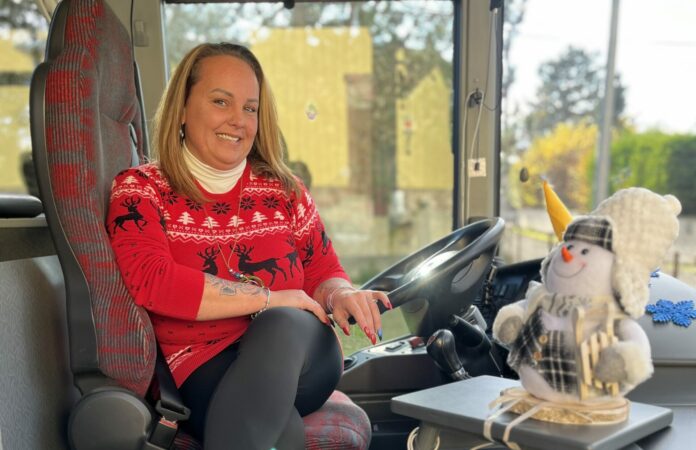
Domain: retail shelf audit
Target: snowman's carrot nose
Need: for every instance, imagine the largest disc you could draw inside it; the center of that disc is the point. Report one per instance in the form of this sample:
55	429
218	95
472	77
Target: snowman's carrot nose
567	257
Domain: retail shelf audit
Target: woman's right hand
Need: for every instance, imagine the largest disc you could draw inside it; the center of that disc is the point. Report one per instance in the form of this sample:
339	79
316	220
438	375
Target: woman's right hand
296	298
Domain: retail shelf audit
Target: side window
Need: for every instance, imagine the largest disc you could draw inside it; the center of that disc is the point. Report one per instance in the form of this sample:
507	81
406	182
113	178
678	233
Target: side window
554	86
22	41
364	94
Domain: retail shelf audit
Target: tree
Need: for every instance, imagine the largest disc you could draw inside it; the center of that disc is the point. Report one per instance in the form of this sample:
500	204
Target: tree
680	172
188	25
24	15
210	222
563	157
185	218
19	14
235	221
571	91
259	217
657	161
640	159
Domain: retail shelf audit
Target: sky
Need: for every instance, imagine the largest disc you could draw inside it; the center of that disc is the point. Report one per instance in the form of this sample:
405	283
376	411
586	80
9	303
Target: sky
656	53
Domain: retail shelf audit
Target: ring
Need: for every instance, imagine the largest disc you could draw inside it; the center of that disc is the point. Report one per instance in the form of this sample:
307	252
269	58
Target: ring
375	301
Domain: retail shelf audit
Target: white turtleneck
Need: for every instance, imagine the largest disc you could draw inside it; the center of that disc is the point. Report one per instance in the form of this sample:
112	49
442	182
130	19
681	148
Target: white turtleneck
213	180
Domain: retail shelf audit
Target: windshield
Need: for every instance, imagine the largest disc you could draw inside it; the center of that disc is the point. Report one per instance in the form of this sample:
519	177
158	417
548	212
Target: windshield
366	97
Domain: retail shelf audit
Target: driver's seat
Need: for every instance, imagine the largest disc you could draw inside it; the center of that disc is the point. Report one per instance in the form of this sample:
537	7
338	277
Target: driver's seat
86	126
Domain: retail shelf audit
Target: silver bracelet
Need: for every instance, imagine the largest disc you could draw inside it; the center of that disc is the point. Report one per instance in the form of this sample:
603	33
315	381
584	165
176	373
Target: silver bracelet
329	299
265	307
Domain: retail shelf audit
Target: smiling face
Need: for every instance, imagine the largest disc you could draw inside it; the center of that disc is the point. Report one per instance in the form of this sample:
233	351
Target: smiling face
221	112
580	268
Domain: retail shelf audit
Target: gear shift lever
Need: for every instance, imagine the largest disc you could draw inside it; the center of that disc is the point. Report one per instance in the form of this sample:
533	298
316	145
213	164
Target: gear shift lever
469	336
472	342
442	349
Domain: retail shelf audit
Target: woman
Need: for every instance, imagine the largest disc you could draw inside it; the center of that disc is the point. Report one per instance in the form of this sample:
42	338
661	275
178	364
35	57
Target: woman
225	249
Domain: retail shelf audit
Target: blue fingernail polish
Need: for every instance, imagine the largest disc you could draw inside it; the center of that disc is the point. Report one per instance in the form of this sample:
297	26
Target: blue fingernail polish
379	334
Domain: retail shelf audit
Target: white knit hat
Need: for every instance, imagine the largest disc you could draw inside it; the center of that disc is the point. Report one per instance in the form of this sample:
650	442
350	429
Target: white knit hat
644	227
638	226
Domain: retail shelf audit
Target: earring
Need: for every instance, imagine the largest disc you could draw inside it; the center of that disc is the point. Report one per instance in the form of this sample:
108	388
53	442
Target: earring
181	133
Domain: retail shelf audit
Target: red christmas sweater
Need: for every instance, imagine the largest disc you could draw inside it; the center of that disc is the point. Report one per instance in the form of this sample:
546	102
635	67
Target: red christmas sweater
164	242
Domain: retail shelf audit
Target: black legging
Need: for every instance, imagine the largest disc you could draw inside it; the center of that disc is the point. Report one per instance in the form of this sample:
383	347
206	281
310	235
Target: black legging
253	394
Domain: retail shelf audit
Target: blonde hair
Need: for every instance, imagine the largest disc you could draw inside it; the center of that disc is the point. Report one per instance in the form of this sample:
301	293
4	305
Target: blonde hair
266	156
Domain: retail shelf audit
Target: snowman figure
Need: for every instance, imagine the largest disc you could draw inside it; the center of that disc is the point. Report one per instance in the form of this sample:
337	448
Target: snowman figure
574	338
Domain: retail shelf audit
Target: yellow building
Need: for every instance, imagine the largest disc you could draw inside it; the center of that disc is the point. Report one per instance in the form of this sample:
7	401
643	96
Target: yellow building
310	86
315	92
424	136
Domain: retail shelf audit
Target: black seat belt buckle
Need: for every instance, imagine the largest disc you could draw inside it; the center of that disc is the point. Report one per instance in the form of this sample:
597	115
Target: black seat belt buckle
164	431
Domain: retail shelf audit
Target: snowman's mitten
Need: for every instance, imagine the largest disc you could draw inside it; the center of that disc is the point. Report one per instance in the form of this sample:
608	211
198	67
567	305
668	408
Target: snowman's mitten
624	362
508	323
611	367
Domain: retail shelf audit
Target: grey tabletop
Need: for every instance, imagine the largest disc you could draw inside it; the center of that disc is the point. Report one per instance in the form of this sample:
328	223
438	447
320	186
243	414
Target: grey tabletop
464	406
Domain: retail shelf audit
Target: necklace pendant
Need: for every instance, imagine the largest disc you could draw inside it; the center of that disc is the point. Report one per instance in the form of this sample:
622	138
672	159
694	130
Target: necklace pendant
236	275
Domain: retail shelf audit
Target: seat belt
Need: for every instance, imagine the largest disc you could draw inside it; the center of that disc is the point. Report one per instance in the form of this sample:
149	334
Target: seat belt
170	406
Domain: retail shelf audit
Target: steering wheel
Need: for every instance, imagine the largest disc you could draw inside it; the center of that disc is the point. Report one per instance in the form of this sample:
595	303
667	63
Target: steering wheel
446	267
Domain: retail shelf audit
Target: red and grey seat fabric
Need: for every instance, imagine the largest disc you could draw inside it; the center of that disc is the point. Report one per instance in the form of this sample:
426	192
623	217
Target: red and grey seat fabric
338	425
86	126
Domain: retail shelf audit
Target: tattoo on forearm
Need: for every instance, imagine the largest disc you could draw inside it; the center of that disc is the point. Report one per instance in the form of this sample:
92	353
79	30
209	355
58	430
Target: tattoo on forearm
231	288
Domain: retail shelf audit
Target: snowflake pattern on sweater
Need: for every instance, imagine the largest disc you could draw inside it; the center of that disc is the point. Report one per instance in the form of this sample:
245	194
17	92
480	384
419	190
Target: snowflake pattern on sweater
164	242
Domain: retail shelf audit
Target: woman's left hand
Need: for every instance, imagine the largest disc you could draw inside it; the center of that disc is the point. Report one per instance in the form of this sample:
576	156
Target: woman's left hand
348	302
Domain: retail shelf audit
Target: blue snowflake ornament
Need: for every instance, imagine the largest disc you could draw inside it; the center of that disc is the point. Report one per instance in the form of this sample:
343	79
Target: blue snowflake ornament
681	313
